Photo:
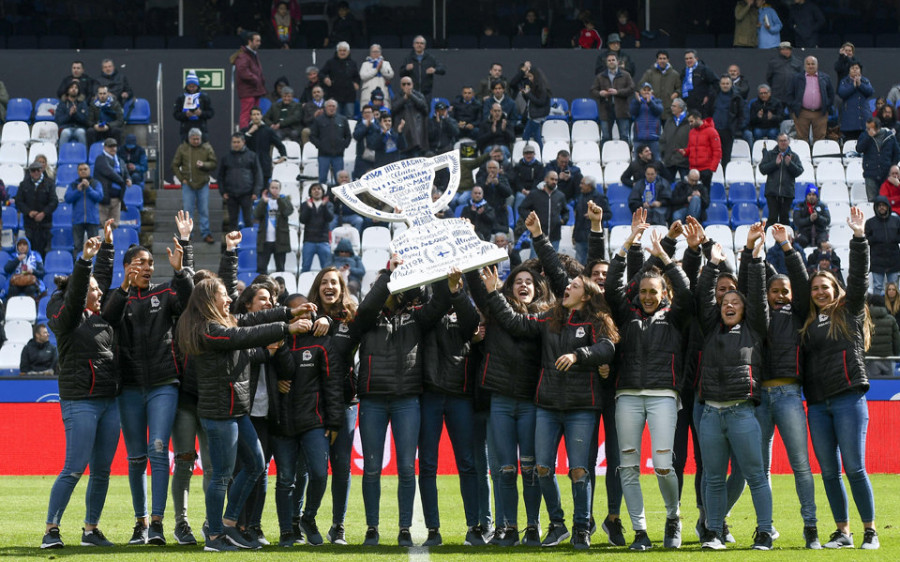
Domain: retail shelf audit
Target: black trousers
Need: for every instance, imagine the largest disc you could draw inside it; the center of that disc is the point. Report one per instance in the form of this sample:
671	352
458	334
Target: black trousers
262	258
779	210
239	203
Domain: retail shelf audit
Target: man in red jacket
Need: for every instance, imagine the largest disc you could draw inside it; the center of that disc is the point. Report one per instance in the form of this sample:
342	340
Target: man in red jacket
704	150
251	84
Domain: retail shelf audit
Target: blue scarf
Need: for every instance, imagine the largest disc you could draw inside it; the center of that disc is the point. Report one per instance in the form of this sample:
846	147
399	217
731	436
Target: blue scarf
687	83
650	192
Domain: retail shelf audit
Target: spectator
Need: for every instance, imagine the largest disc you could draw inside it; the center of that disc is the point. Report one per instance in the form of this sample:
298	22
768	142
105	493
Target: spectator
312	80
85	82
311	111
261	139
635	171
365	153
880	151
588	37
375	72
443	131
411	108
550	206
25	270
893	96
421	66
240	181
811	219
344	27
343	214
341	76
891	302
810	98
526	174
277	90
84	195
486	85
627	27
116	82
739	82
251	82
349	265
193	108
664	81
536	92
674	139
689	198
704	150
614	46
272	212
769	26
781	70
746	20
781	167
533	26
646	110
883	234
285	116
315	216
72	115
498	91
135	158
727	109
569	174
39	356
766	114
846	58
378	102
587	193
823	258
775	255
697	82
886	115
652	193
193	162
36	200
331	134
855	91
885	339
480	213
105	118
497	191
467	112
49	171
389	143
501	240
284	28
891	189
111	172
496	130
806	20
612	89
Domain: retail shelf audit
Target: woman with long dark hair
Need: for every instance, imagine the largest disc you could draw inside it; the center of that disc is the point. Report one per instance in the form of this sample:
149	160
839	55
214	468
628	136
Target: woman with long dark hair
535	89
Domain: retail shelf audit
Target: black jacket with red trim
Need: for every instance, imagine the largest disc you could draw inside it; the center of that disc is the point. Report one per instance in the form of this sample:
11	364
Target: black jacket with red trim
575	389
85	340
834	366
223	369
316	397
447	348
731	362
144	320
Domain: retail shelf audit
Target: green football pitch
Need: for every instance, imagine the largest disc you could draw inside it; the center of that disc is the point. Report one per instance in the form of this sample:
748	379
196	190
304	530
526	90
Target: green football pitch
23	505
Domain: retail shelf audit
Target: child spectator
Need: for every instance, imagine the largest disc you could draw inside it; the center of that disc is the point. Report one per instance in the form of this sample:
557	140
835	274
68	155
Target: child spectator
39	357
588	37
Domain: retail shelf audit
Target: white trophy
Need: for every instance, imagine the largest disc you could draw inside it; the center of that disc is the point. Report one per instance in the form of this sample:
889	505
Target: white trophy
430	246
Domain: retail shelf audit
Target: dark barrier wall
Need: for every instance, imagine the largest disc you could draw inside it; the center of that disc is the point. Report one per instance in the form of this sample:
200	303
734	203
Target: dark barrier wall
36	74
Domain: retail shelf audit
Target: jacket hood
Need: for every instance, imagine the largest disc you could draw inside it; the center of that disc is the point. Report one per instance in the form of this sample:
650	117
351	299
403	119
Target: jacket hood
15	250
880	199
344	245
707	123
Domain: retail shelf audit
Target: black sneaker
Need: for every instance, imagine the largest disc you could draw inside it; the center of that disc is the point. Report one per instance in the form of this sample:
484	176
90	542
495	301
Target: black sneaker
155	535
762	540
556	533
286	540
614	532
532	536
475	536
672	538
336	535
219	544
94	538
839	540
434	538
372	537
52	539
234	536
298	533
309	527
507	536
641	541
204	530
183	533
726	533
701	531
811	535
139	536
404	538
257	533
581	538
870	540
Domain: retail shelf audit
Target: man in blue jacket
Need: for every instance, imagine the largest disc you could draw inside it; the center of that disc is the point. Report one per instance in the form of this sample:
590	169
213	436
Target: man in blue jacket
84	196
811	97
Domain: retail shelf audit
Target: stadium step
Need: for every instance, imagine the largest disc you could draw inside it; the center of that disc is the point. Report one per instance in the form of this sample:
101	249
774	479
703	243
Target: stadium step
206	256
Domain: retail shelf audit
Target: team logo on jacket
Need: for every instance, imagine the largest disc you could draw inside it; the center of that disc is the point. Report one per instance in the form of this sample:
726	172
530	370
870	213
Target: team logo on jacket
154	301
823	318
307	355
343	328
735	328
579	333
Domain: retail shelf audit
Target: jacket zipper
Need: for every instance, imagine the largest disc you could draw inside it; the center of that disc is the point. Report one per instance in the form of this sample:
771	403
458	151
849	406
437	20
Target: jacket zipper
93	376
846	371
231	407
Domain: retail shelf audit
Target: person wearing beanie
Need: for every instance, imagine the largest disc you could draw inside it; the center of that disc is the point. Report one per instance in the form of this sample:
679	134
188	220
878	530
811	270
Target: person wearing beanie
135	159
192	107
811	219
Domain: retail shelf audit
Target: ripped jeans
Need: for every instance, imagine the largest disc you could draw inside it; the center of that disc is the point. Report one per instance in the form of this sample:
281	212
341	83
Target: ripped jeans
660	413
511	428
578	427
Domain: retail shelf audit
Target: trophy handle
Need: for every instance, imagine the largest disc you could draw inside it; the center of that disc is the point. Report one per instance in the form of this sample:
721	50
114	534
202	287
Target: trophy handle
346	194
441	161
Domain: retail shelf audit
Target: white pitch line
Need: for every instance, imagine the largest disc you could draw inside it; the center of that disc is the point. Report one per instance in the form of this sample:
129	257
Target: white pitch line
419	532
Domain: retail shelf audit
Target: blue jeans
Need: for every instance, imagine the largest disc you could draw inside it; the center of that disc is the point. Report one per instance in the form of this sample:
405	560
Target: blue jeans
782	406
144	411
694	209
72	134
340	454
347	109
578	427
882	280
581	252
838	429
403	415
485	460
734	486
310	249
660	413
459	414
512	427
350	218
733	430
533	132
228	440
335	163
607	415
313	445
658	215
624	126
196	202
765	133
92	435
461	198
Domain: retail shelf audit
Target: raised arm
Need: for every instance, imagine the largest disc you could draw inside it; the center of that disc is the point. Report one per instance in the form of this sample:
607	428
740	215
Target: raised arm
758	309
553	269
522	325
858	272
596	238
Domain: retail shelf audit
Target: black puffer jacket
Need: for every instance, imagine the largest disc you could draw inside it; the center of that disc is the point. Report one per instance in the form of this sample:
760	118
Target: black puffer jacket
575	389
837	365
223	370
883	235
732	358
447	348
144	321
85	340
315	399
551	210
650	352
240	173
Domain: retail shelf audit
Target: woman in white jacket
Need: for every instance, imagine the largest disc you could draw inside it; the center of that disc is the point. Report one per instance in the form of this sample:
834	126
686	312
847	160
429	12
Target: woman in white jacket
375	72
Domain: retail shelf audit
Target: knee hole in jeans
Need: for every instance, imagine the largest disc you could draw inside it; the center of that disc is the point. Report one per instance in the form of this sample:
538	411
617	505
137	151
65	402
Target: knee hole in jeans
137	460
578	474
544	471
186	457
511	469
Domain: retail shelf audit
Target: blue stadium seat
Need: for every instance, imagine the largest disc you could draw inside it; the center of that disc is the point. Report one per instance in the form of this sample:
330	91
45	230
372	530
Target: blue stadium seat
616	192
130	217
62	238
717	192
744	213
558	103
41	107
458	211
124	237
94	152
717	213
62	216
248	240
741	192
11	218
584	108
247	260
134	196
66	174
72	153
42	306
247	276
264	104
58	261
621	214
140	113
19	109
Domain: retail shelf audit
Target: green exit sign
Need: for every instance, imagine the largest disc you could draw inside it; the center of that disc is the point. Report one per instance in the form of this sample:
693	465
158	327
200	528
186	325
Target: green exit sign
210	78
